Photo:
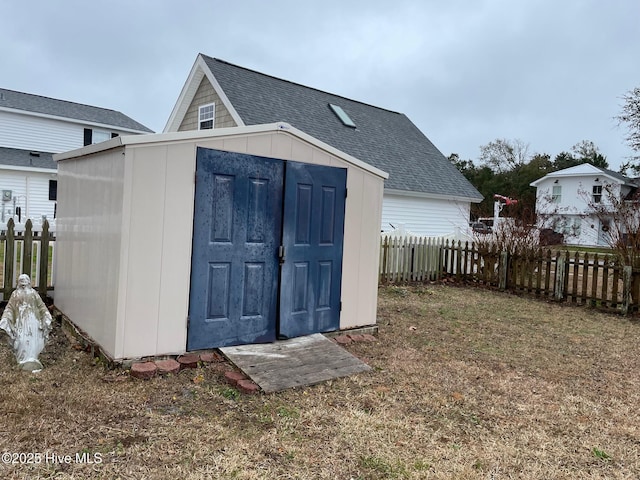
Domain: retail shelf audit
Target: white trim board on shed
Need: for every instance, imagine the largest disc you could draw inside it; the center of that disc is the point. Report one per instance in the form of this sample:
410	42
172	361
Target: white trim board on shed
125	221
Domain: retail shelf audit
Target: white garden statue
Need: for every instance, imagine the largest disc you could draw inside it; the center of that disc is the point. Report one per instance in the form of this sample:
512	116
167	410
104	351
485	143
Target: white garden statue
27	321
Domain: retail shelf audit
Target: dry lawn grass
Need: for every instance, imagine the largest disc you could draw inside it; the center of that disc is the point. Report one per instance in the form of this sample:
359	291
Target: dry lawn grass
467	384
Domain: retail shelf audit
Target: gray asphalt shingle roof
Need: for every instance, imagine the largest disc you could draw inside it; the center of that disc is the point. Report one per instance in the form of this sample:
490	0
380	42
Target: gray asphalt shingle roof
385	139
62	108
618	175
26	158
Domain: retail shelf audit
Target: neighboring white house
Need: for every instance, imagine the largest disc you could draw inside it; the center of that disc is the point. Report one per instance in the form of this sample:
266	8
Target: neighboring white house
32	128
566	202
425	193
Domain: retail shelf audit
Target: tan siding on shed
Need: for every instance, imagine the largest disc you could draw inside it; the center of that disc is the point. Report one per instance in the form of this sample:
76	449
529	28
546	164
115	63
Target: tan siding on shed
89	281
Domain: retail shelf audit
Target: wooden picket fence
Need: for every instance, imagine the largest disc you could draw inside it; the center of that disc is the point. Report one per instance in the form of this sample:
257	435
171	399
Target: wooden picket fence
410	259
26	251
580	278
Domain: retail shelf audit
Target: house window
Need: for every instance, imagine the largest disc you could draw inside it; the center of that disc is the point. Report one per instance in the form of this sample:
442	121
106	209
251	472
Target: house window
205	116
53	190
92	135
100	136
556	194
597	193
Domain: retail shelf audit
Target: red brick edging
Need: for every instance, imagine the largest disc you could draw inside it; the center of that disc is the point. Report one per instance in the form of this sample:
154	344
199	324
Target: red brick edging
146	370
149	369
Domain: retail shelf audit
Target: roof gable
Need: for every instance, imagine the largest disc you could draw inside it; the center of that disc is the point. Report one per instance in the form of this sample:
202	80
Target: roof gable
36	104
383	138
585	170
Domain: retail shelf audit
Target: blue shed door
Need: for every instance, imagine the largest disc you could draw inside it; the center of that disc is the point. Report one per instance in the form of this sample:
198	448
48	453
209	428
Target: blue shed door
236	234
312	236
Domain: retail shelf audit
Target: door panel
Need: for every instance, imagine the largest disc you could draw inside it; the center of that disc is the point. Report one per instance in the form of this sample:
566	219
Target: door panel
236	234
312	237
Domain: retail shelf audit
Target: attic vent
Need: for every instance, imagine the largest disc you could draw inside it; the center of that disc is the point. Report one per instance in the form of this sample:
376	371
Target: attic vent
342	115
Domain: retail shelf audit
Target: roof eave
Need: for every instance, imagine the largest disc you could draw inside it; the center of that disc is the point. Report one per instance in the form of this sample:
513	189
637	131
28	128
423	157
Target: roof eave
436	196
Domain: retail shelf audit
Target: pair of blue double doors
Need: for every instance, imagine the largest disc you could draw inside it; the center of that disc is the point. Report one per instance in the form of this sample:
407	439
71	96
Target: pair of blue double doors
267	249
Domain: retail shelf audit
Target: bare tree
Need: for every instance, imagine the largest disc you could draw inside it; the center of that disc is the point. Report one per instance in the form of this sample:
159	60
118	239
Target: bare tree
630	116
503	155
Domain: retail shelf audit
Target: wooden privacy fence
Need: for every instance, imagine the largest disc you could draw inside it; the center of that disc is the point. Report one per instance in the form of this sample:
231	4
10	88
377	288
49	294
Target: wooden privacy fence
580	278
26	251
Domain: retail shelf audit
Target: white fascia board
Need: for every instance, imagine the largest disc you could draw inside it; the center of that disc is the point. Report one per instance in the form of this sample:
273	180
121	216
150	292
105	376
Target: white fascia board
435	196
185	98
17	168
72	120
223	96
188	92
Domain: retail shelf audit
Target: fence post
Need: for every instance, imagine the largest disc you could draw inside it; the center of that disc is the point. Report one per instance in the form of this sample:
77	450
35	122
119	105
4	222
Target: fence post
384	247
458	254
627	273
504	268
437	255
393	261
44	260
9	252
559	284
27	249
445	256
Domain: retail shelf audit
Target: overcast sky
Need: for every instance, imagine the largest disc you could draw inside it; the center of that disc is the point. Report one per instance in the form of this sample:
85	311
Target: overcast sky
548	72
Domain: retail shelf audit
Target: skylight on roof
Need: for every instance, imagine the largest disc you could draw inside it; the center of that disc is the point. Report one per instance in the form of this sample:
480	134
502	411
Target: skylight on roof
342	115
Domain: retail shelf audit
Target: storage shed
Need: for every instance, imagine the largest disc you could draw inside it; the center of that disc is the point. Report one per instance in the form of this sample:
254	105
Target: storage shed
184	241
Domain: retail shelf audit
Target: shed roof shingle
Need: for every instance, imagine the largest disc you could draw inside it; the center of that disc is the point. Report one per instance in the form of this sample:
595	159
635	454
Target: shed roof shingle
62	108
383	138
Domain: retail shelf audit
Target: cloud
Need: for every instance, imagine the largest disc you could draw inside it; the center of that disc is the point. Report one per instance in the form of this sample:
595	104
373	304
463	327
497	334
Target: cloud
547	72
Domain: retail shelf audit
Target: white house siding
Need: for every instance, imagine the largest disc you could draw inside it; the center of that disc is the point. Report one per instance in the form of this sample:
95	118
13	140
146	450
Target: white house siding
425	216
42	134
29	191
28	132
575	194
36	133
